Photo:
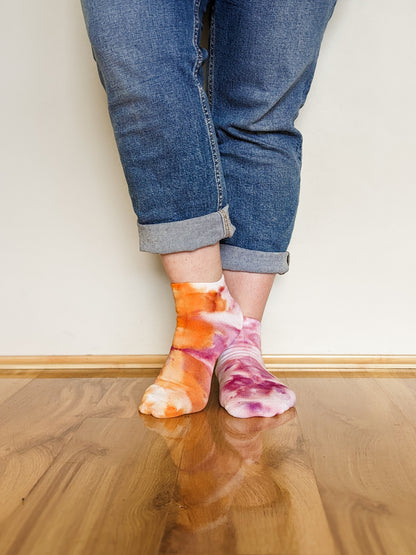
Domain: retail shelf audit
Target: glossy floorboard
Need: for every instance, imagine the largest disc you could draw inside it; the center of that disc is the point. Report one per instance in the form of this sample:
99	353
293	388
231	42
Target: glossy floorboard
83	473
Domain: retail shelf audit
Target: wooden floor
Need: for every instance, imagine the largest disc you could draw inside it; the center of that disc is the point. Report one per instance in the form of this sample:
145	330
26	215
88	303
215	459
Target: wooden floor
83	473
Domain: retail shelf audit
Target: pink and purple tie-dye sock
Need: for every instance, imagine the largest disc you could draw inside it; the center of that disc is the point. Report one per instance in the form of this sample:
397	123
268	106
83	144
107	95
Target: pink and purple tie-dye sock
208	320
246	387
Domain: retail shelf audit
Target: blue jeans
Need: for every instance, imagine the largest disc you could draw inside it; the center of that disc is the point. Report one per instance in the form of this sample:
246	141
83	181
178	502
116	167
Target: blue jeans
215	163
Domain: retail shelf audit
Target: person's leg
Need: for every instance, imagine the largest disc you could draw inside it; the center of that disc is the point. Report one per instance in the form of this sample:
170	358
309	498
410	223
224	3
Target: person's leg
150	63
263	57
203	264
208	320
251	291
151	66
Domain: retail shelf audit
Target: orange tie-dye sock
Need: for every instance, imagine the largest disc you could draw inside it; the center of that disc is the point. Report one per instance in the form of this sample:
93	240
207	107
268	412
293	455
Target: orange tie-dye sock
208	320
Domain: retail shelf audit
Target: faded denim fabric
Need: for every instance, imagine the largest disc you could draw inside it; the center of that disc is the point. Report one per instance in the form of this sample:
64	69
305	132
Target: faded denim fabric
221	165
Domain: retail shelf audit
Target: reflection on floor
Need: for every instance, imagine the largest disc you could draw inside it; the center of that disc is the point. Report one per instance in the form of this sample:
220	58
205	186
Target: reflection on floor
83	473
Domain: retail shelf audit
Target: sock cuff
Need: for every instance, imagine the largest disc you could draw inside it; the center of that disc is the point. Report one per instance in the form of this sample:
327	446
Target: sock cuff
252	321
199	286
251	325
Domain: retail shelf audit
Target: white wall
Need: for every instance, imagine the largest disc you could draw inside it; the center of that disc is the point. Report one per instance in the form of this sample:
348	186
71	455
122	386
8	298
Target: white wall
72	280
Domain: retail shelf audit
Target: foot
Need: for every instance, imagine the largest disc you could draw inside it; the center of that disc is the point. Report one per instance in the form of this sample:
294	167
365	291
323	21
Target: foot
208	320
247	388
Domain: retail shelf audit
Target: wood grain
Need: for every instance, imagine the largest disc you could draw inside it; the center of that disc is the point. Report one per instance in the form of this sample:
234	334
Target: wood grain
83	473
37	422
104	494
363	452
244	486
9	387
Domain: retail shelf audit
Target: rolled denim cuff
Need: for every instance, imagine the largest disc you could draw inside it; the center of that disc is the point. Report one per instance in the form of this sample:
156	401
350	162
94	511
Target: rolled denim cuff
245	260
186	235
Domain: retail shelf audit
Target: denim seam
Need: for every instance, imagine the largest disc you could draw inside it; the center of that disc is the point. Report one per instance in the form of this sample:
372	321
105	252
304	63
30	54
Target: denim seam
210	76
205	108
226	222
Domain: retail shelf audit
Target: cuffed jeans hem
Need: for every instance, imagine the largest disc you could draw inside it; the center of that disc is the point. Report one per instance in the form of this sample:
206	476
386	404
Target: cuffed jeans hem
245	260
185	235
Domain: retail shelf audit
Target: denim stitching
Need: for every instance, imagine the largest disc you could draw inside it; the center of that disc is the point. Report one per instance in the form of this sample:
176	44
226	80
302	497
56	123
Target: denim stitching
205	108
226	222
211	59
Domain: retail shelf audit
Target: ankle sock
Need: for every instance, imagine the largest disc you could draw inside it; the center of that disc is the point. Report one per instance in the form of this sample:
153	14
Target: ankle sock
208	320
246	387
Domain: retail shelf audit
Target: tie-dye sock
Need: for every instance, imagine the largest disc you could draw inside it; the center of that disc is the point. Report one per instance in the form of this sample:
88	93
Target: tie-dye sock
246	387
208	320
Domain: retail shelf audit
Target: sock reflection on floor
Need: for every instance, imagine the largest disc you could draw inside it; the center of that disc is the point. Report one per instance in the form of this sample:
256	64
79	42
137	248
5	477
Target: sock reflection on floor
222	476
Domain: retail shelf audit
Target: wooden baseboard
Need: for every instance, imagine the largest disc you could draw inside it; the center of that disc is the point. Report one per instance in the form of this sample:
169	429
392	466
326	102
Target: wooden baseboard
148	365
